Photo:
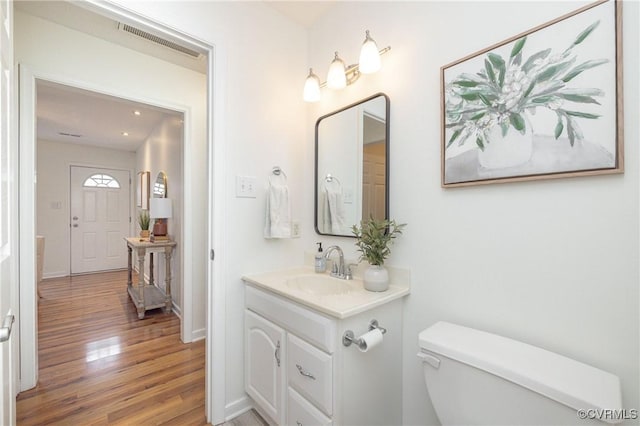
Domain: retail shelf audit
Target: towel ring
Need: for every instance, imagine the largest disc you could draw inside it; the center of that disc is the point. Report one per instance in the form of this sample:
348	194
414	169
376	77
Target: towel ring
277	171
330	178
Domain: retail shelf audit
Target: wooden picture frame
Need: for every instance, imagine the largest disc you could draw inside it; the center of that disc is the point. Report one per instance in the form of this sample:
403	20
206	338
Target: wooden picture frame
544	104
143	190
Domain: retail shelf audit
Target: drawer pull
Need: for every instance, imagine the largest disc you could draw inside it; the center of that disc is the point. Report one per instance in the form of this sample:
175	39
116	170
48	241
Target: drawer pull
298	423
277	353
304	372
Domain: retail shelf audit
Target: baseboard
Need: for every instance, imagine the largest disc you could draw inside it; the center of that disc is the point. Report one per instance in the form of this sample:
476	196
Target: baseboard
176	309
59	274
237	407
198	334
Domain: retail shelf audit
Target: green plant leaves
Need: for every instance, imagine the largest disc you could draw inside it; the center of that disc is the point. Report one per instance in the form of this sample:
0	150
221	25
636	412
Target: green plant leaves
517	122
373	238
583	67
517	47
539	81
584	34
559	127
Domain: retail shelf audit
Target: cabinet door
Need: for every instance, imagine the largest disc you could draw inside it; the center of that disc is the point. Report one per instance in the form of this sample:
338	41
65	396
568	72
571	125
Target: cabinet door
264	364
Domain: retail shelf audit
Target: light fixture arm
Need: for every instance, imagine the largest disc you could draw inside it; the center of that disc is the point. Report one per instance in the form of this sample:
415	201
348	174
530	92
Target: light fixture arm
352	72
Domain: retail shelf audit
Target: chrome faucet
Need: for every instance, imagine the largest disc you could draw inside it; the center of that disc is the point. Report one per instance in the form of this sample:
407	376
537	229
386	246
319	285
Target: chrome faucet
338	268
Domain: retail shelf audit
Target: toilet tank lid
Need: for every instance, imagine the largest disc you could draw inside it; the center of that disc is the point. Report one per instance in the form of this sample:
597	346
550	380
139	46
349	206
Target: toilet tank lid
562	379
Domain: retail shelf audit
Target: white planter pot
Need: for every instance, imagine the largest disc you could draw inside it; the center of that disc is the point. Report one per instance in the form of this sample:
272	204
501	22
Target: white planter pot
511	150
376	278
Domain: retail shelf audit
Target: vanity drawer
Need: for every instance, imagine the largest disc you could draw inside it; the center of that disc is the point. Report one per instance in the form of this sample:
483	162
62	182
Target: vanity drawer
314	328
301	412
309	371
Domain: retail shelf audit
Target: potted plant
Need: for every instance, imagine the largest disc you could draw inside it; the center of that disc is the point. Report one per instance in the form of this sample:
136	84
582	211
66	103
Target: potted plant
144	221
373	238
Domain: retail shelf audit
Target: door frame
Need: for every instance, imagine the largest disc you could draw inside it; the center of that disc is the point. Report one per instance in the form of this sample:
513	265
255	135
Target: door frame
129	198
215	384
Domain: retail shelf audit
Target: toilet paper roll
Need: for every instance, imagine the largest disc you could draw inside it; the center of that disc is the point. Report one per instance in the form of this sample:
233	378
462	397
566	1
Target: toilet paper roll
370	340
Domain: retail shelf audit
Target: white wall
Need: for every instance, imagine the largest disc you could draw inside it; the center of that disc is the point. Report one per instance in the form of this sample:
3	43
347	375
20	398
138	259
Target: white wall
53	49
162	151
551	263
53	162
262	57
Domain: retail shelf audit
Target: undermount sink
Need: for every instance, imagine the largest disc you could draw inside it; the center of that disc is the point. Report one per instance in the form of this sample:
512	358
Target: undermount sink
319	285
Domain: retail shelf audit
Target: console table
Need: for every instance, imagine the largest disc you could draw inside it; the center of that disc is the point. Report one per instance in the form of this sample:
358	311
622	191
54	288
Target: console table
149	296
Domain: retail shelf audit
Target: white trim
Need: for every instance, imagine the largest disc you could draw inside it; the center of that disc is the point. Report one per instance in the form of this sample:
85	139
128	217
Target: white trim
199	334
58	274
217	235
27	231
237	408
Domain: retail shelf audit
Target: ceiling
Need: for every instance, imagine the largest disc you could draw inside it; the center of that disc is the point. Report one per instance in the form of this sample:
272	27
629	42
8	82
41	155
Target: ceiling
304	12
71	115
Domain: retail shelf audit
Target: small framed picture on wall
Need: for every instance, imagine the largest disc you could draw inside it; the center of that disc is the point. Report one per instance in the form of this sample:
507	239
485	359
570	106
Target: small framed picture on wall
143	190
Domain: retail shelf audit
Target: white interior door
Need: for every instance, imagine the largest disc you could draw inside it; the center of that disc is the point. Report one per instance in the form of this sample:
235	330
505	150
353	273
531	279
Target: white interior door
8	219
100	219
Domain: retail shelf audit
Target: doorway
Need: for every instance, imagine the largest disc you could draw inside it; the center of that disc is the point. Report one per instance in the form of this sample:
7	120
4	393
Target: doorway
200	181
100	218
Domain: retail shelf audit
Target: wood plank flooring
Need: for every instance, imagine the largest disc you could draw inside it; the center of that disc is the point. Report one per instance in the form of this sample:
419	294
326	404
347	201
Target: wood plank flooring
100	365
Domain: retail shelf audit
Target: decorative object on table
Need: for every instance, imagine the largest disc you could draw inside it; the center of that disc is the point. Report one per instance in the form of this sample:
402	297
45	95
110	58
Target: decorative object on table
160	209
143	190
144	221
278	211
373	238
543	104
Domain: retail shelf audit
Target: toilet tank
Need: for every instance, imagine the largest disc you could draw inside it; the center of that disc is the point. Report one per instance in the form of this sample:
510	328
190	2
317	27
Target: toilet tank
479	378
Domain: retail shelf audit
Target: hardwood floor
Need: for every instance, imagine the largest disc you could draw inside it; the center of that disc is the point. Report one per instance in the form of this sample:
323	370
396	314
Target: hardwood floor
100	365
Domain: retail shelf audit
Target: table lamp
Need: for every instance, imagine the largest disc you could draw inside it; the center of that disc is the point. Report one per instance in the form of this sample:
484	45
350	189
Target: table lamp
160	209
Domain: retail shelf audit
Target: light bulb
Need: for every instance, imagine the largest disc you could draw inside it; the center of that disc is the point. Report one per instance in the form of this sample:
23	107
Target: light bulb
369	56
311	91
336	77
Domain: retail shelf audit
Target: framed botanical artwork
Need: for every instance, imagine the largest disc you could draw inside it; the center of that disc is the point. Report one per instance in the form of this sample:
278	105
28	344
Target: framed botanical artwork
143	190
546	103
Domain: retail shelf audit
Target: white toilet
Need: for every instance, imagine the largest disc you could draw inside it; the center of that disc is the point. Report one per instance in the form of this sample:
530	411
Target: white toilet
478	378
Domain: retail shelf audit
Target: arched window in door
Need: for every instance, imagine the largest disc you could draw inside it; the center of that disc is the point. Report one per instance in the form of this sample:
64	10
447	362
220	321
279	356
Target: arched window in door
101	181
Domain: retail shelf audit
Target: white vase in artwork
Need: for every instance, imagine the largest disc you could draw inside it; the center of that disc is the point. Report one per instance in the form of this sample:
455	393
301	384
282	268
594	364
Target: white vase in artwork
511	150
376	278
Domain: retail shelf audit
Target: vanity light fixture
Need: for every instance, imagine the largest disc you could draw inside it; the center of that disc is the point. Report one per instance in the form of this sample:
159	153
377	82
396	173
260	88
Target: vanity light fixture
125	134
340	75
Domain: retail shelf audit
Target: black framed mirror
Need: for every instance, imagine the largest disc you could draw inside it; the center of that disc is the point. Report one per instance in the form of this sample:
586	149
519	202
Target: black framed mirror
352	166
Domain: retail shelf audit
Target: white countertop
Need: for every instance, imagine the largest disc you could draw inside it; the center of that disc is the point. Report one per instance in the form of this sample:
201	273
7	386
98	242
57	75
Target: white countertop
340	306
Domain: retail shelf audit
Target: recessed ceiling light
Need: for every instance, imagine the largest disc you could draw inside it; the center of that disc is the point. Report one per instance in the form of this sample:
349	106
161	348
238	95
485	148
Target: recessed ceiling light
136	113
125	134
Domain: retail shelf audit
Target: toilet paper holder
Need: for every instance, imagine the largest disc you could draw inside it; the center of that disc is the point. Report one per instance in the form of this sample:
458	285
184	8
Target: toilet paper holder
349	337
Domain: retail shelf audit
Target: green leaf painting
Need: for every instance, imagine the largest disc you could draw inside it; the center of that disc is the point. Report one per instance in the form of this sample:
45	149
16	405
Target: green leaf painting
504	91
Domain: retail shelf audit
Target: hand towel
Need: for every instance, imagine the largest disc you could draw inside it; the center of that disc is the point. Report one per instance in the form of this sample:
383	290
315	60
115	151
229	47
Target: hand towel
278	212
334	206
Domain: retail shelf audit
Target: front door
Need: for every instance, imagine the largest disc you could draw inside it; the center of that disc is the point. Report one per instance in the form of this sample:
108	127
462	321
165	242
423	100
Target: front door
100	219
8	219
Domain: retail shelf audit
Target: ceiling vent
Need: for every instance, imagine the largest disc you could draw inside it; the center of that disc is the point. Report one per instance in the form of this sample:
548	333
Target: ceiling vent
154	38
72	135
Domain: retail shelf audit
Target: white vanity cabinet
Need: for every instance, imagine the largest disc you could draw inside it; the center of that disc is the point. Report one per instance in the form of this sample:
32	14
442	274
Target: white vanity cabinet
264	342
298	372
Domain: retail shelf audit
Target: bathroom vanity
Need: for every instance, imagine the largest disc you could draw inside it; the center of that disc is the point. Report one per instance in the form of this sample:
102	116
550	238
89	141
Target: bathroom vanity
297	369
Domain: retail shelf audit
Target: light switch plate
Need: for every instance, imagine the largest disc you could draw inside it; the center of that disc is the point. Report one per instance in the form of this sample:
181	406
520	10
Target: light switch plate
246	186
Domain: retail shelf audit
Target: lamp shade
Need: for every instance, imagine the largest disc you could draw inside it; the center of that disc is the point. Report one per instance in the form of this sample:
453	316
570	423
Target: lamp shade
160	208
311	87
369	56
336	77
